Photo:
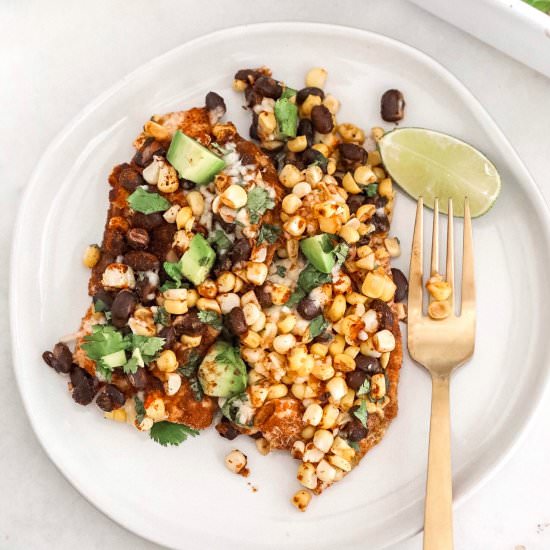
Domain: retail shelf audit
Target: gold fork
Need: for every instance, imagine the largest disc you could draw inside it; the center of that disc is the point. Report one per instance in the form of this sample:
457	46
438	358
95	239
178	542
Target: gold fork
441	346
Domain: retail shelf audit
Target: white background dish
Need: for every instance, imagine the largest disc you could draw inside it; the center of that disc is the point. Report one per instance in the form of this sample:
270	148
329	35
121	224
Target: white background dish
78	292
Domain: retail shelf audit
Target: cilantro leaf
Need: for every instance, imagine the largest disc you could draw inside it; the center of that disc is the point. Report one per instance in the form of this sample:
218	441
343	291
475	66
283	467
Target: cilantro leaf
147	203
162	317
131	365
173	271
281	271
220	240
269	233
354	445
148	346
341	253
286	114
364	388
140	409
103	340
371	189
289	92
258	202
311	278
196	388
317	326
210	318
361	413
295	298
193	362
168	433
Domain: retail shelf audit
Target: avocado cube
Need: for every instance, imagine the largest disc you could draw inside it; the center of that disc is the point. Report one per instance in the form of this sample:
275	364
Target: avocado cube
197	261
319	251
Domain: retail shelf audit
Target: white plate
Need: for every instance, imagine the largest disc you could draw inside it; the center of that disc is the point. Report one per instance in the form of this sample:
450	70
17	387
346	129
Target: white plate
184	497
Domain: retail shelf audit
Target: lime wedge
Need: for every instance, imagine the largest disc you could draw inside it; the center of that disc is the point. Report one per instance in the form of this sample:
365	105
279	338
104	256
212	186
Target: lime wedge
430	164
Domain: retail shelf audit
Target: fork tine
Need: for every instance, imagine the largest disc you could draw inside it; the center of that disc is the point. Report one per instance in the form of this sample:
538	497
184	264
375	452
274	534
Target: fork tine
415	270
435	239
468	284
450	271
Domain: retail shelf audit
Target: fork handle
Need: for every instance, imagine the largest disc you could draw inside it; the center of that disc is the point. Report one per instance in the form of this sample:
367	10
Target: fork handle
438	512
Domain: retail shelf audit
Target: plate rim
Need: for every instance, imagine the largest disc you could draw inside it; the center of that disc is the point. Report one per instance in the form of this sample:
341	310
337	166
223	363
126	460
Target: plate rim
485	119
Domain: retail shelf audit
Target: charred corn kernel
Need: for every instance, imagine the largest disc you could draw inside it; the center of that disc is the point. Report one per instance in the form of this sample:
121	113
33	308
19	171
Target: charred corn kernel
385	359
284	343
253	356
207	289
310	102
352	351
351	133
313	414
183	216
365	212
306	475
259	325
210	305
331	103
277	391
350	185
377	386
298	449
374	158
331	166
301	499
263	446
234	196
341	447
195	200
251	313
389	290
340	462
316	77
292	248
146	424
235	461
364	251
297	145
380	174
168	181
325	472
249	297
225	282
368	349
191	341
279	294
370	319
438	289
364	175
298	390
172	384
346	403
329	225
179	294
302	189
267	123
337	308
319	349
239	283
175	307
377	133
322	148
337	345
385	188
91	256
323	440
373	285
323	370
295	226
239	85
343	362
192	297
439	310
366	263
252	339
256	273
384	341
167	361
337	386
307	434
314	175
287	324
349	234
156	130
151	173
354	298
156	410
291	203
118	415
392	246
171	214
289	176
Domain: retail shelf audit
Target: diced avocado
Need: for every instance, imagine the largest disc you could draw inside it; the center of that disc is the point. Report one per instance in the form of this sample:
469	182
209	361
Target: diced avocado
222	372
136	354
239	410
114	360
192	160
197	261
319	251
286	114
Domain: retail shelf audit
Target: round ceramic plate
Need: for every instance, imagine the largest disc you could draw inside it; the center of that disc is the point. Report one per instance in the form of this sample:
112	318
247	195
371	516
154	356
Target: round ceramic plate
184	497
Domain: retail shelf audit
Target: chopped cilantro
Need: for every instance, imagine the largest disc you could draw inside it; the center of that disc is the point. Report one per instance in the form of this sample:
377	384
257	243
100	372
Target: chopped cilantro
311	278
371	189
361	413
295	298
288	92
269	233
196	388
354	445
147	203
140	409
173	270
168	433
281	271
193	362
364	388
149	346
286	114
258	203
162	317
220	240
317	326
340	253
210	318
103	340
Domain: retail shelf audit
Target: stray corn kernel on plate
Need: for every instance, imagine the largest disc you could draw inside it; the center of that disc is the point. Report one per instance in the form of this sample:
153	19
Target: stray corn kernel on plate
249	283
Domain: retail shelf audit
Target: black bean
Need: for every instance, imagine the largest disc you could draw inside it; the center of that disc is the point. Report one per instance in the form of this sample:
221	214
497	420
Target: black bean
150	148
48	358
253	131
215	104
392	106
309	309
105	297
235	321
401	283
146	291
370	365
355	201
137	238
139	260
311	156
364	240
252	97
188	324
138	379
110	398
305	128
264	295
302	94
322	119
130	179
169	334
381	223
355	430
63	358
266	86
222	263
226	429
353	153
146	221
123	306
324	337
247	75
378	201
383	313
240	251
83	386
355	379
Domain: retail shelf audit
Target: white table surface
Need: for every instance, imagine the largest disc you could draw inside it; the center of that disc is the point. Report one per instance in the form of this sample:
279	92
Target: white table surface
57	56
